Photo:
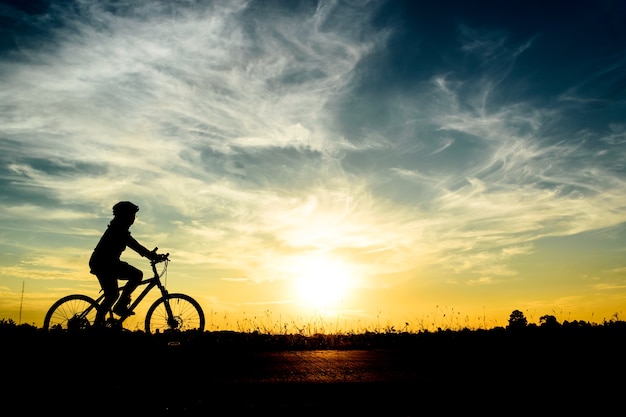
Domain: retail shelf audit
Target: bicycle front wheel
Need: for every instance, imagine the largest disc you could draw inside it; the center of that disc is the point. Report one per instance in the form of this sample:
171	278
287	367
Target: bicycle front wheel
72	312
177	312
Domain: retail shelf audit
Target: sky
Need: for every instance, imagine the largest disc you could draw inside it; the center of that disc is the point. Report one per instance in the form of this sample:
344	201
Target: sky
321	166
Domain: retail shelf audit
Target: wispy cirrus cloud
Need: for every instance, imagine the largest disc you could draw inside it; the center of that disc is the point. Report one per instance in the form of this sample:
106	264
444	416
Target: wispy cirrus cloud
252	132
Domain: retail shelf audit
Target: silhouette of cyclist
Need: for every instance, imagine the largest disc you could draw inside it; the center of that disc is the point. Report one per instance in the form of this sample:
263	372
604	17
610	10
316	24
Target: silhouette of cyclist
106	265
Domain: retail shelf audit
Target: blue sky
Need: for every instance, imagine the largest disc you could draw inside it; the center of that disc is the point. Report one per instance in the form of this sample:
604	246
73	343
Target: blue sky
430	159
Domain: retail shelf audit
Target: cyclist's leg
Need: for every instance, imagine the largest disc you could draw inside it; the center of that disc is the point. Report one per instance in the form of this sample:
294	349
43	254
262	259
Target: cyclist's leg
133	276
108	282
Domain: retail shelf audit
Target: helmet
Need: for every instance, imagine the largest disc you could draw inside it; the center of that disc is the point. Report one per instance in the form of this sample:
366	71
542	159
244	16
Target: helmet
125	208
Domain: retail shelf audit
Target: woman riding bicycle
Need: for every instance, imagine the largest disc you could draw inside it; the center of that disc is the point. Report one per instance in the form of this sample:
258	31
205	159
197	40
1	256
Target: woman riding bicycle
106	265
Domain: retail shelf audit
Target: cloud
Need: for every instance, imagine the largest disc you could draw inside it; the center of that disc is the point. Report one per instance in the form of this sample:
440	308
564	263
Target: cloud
247	132
146	94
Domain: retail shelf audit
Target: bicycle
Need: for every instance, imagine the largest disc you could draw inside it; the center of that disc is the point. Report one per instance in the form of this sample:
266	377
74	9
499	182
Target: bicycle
171	312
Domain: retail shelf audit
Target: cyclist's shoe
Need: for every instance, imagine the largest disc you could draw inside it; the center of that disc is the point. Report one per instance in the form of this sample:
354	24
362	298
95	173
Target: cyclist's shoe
123	311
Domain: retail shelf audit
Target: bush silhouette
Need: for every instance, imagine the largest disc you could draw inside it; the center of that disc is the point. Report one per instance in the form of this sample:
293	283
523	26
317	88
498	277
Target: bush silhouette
548	321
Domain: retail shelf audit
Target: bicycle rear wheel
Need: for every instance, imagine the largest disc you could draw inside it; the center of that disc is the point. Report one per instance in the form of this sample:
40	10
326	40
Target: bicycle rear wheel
186	314
72	312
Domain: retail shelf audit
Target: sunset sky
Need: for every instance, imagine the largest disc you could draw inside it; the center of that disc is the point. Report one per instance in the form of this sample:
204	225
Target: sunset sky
321	165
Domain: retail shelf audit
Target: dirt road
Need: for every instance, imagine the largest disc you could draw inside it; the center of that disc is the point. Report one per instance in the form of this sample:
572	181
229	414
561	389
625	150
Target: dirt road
324	366
390	383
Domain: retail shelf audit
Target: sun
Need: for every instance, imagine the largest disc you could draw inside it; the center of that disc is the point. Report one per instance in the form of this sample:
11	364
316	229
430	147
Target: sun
321	281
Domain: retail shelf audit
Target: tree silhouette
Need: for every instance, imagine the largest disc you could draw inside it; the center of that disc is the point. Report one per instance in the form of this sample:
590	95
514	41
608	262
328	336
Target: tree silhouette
517	320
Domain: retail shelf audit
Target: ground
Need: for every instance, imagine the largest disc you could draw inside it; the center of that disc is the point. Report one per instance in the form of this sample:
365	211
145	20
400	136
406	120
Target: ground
449	374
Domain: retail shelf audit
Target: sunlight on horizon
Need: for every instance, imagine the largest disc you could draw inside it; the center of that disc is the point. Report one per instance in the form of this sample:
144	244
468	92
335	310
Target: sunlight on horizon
321	281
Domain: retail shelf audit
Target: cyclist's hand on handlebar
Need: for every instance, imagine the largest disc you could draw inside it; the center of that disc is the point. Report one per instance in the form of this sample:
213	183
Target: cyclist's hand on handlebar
158	257
161	257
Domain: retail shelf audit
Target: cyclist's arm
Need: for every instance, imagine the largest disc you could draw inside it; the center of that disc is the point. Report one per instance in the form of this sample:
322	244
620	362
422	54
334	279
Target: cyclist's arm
139	248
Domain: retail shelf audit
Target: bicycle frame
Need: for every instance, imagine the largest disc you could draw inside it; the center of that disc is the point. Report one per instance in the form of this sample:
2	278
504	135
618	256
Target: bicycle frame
149	284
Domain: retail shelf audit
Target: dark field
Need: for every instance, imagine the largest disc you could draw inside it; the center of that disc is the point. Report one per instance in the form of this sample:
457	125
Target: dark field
562	370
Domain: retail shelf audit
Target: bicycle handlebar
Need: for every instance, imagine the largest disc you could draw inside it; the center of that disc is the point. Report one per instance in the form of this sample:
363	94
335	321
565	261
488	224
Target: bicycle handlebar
159	257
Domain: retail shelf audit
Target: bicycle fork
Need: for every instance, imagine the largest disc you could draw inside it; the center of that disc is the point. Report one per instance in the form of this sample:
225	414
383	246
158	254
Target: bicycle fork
171	320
